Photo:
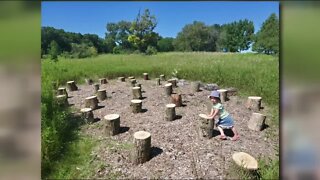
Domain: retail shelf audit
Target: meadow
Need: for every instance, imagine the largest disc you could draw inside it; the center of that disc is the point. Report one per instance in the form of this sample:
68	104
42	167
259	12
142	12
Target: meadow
251	74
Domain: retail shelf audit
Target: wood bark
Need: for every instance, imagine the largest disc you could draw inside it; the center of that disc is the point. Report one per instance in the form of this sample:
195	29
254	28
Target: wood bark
245	161
254	103
162	77
145	76
121	79
87	115
170	112
223	94
195	86
256	122
176	99
71	85
173	82
103	81
96	87
102	94
168	89
89	81
62	91
136	92
112	124
206	126
157	81
91	102
142	147
136	105
133	82
62	100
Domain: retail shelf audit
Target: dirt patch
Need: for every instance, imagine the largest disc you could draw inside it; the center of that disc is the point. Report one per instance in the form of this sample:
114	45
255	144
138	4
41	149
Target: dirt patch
178	150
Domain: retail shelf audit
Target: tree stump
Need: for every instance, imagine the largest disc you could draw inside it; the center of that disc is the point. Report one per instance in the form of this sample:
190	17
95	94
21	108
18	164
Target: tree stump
195	86
89	81
223	94
168	89
133	82
256	122
209	106
145	76
245	161
62	100
173	82
102	94
142	147
136	92
170	112
138	85
71	85
136	105
91	102
87	115
121	79
62	91
96	88
103	81
176	99
131	77
157	81
112	124
206	126
254	103
162	77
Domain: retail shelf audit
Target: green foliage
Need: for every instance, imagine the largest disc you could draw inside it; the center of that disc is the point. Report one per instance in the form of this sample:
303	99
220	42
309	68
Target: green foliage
267	39
142	34
197	37
238	35
165	44
83	51
151	50
54	50
117	35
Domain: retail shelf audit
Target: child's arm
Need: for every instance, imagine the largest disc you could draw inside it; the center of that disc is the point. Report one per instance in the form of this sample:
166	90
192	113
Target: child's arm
213	113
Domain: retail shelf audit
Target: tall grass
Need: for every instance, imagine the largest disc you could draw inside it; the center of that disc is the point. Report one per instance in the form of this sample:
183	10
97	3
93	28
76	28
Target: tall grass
252	74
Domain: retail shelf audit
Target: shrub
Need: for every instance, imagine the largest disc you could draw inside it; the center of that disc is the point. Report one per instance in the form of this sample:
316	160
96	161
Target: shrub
151	50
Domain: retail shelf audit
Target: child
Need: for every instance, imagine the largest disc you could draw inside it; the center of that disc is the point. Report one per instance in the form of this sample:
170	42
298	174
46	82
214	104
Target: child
225	120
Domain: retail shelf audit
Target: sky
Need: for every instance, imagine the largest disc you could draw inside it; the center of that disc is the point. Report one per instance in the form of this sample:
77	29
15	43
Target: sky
92	17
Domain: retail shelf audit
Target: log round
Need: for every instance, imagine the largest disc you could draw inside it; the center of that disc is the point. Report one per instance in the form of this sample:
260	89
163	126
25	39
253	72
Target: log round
173	82
145	76
254	103
136	105
133	82
62	91
256	122
162	77
91	102
112	124
195	86
131	77
62	100
96	87
168	89
157	81
102	94
71	85
206	126
103	81
136	92
223	94
245	160
89	81
142	147
121	79
87	115
176	99
170	112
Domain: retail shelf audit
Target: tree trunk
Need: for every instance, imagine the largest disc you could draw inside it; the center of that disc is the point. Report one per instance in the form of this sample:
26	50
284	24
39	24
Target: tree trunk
173	82
254	103
87	115
256	122
112	124
133	82
136	92
168	89
62	91
103	81
102	94
206	126
145	76
91	102
89	81
223	95
195	86
162	77
176	99
71	85
170	112
142	147
157	81
121	79
62	100
136	105
96	88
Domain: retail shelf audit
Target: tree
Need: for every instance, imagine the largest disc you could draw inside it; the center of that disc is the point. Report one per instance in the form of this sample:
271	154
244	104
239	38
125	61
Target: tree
142	34
165	44
54	50
197	37
267	39
117	35
238	35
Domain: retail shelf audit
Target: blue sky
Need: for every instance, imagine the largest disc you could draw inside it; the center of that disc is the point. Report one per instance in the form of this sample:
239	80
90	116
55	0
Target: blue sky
92	17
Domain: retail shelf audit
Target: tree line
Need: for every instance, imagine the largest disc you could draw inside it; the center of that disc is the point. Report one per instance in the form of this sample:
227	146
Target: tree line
139	36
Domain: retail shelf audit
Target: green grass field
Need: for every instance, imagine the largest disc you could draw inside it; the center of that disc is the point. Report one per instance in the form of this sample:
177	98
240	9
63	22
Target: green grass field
251	74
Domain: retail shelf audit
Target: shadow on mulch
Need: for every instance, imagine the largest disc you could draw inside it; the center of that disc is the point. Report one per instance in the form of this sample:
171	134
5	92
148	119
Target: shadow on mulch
123	129
155	151
178	117
99	107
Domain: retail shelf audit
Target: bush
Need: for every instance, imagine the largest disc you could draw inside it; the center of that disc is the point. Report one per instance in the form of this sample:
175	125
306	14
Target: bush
151	50
83	51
